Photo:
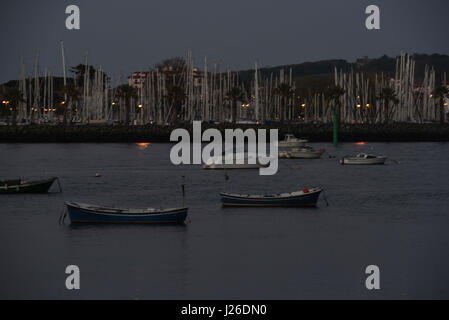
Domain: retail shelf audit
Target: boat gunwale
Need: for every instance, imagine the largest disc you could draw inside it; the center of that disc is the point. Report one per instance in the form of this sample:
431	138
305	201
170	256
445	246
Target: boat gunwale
312	191
369	156
156	212
167	222
272	205
378	160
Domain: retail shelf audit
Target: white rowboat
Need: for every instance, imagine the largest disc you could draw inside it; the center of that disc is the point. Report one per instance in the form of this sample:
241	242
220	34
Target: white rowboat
363	159
237	161
301	153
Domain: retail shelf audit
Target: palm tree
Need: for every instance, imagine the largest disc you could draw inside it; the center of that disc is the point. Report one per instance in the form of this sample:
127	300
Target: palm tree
440	93
14	96
73	95
284	91
79	72
334	95
235	95
126	92
176	96
388	95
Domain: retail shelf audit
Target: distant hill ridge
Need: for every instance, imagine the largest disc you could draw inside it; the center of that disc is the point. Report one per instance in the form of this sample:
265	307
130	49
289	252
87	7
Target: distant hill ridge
318	73
384	64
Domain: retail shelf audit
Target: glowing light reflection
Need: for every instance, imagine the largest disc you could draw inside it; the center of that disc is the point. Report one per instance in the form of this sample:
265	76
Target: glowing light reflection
143	145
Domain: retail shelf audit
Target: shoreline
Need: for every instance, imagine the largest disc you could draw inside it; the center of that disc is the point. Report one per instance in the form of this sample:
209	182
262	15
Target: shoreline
396	132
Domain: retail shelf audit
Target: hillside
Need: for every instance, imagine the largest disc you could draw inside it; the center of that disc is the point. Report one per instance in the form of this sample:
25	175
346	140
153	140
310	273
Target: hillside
313	76
318	74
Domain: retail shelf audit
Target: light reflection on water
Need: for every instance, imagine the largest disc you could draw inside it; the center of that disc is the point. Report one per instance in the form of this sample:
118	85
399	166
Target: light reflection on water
143	145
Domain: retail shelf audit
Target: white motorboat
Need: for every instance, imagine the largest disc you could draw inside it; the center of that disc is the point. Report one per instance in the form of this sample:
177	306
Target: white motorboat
363	159
290	141
301	153
237	161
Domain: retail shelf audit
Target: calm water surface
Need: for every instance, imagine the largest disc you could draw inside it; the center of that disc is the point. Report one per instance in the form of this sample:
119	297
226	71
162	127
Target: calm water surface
395	216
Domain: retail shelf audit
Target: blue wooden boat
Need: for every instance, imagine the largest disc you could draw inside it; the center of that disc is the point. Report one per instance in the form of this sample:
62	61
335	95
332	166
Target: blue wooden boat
304	198
86	213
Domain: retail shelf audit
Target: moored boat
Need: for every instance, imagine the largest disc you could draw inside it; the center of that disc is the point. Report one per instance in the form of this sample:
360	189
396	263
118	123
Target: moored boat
290	141
20	186
301	153
237	161
304	198
363	159
86	213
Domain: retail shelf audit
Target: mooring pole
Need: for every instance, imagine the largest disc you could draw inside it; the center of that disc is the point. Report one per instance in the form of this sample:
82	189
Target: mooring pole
336	129
226	180
183	191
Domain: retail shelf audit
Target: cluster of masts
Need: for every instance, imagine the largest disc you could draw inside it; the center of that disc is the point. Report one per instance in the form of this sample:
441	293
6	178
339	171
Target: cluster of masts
182	94
384	99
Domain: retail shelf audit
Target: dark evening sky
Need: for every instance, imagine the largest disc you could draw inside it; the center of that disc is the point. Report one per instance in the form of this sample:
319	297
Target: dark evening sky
125	36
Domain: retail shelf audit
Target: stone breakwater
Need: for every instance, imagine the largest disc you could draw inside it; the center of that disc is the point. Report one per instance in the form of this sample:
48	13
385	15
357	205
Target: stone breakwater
396	132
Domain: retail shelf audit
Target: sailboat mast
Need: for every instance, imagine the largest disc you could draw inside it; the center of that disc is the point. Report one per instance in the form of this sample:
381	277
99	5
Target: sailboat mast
64	69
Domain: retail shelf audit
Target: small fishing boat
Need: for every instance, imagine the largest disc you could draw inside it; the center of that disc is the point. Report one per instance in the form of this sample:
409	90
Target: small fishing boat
301	153
86	213
363	159
304	198
237	161
290	141
20	186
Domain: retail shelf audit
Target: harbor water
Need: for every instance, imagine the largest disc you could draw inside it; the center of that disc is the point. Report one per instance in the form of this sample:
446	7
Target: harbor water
394	216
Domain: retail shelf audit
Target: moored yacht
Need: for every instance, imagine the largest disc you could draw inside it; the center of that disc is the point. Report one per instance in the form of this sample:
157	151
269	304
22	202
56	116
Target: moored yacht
290	141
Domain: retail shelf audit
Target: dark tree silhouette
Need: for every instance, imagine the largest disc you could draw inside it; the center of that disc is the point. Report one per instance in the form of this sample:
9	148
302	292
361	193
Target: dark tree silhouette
126	92
234	95
439	94
284	91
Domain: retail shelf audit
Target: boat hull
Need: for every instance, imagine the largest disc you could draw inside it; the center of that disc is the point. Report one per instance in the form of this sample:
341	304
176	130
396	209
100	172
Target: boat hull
81	215
355	161
291	144
304	200
232	166
304	155
236	161
41	186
